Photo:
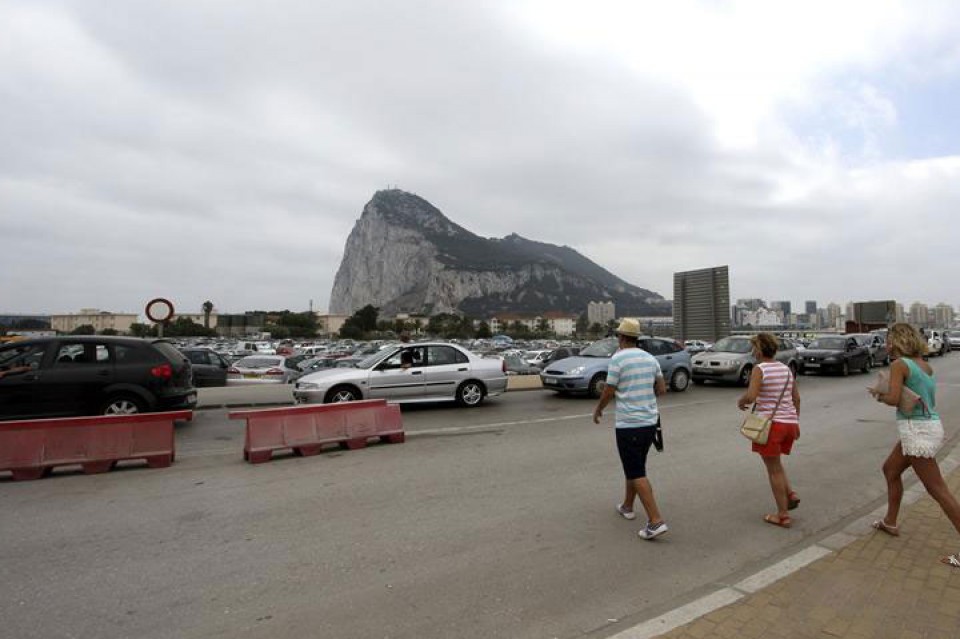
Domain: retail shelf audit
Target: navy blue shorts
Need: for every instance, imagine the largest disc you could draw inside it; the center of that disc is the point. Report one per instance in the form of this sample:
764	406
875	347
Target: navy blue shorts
633	444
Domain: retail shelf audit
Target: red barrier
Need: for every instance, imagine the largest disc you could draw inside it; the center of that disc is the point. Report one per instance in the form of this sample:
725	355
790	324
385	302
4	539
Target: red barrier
307	428
31	449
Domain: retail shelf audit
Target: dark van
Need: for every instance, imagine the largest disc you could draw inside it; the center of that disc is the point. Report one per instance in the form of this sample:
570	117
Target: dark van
76	375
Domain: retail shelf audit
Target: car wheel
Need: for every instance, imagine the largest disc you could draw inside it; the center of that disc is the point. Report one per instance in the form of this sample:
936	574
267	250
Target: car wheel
870	363
339	394
123	405
845	368
745	375
867	365
595	389
470	394
679	380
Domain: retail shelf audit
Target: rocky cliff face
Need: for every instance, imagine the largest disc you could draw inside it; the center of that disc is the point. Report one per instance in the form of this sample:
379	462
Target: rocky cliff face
404	255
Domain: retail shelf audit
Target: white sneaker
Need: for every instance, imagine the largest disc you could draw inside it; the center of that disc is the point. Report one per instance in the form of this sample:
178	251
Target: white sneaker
650	531
626	514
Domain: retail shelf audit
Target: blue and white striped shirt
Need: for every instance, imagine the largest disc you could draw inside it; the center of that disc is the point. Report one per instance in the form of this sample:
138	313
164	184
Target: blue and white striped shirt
634	372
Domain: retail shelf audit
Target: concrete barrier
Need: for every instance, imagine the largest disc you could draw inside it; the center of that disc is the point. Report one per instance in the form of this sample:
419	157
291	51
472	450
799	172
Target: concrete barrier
31	449
306	429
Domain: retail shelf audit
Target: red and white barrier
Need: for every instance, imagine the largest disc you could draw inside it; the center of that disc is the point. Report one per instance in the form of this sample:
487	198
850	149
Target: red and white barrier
307	428
30	449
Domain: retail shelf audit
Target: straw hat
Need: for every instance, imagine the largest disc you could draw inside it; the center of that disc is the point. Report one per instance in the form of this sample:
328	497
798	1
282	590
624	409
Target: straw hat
629	327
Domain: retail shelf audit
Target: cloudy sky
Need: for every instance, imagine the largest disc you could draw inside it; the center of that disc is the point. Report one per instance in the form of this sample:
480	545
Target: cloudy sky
223	149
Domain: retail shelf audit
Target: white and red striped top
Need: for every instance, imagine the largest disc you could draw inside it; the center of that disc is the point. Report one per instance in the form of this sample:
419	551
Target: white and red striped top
775	375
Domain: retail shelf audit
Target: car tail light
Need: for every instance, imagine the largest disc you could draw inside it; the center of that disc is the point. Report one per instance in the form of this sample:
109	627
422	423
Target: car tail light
232	371
164	371
503	365
274	371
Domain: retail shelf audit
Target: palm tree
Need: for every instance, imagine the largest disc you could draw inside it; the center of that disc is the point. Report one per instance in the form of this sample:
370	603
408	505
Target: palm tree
207	309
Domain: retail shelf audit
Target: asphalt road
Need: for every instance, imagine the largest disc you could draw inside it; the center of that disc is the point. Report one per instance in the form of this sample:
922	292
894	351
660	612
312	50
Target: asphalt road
490	522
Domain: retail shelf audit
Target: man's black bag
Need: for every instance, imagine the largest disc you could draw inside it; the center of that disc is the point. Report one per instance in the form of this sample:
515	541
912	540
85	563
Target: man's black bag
658	438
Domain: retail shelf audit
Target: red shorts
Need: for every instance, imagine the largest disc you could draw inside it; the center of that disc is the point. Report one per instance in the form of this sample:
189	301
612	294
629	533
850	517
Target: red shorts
780	441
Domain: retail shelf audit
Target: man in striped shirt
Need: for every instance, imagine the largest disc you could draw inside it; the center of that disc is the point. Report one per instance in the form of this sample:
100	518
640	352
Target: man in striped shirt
635	380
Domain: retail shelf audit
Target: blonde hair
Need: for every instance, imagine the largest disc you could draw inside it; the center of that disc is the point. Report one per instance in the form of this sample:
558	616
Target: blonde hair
906	341
765	343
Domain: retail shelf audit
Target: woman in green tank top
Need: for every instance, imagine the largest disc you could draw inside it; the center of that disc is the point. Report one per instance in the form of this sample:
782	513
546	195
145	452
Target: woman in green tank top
921	433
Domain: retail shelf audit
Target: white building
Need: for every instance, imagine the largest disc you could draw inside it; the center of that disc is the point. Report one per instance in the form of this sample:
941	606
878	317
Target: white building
99	320
601	313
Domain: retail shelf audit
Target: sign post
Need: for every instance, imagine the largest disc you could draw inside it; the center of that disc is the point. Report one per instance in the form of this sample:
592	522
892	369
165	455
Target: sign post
159	311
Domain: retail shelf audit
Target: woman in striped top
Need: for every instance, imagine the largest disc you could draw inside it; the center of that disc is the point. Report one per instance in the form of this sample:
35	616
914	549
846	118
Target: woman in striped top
772	382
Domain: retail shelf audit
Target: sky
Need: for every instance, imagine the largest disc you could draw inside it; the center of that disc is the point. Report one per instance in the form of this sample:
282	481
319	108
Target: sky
223	150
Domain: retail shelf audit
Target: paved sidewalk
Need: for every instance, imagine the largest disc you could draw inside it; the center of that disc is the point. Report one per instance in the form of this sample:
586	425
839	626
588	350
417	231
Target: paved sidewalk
860	584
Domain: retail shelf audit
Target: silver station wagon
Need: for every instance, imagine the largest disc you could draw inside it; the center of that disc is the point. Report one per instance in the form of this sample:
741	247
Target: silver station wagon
423	372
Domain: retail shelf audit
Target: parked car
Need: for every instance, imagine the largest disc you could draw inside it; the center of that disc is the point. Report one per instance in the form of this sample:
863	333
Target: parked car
440	372
209	367
935	342
536	358
262	369
953	339
587	372
92	375
516	365
731	360
835	353
560	353
694	346
876	345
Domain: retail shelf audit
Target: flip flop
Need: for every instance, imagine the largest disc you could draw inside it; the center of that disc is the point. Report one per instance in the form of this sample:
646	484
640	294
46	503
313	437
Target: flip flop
882	526
776	520
792	501
951	560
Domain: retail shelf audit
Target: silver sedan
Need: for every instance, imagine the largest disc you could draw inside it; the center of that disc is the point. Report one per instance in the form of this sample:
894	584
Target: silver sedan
423	372
262	369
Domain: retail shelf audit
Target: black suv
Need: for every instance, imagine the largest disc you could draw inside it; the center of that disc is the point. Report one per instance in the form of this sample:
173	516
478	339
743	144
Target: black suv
92	375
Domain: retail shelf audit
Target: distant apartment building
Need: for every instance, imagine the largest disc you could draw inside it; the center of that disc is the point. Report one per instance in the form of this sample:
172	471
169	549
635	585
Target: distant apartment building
503	322
810	307
834	316
943	315
601	313
785	308
901	314
751	304
329	325
99	320
561	324
919	315
700	302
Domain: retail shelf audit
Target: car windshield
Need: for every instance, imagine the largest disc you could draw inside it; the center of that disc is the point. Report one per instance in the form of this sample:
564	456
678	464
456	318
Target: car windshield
603	348
828	343
732	345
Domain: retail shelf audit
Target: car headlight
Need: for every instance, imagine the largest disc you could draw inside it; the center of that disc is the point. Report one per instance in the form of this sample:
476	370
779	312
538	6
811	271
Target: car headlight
579	370
307	386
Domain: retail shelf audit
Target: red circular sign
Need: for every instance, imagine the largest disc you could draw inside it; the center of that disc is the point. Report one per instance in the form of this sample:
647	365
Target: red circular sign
159	301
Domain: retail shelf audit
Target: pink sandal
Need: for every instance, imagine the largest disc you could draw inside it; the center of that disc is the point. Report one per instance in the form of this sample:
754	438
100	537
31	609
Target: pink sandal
882	526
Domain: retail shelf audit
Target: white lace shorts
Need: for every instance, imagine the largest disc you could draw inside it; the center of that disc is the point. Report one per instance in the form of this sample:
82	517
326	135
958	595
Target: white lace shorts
920	437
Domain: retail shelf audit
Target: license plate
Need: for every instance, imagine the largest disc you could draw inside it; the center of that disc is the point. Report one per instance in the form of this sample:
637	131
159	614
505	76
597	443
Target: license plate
812	365
251	376
549	380
191	398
